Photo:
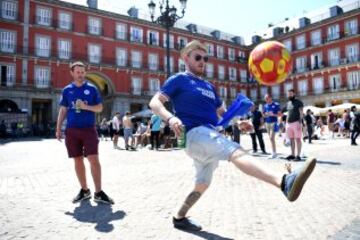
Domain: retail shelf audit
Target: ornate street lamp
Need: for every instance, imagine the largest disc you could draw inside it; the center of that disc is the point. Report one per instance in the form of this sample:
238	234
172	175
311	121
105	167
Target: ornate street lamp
167	19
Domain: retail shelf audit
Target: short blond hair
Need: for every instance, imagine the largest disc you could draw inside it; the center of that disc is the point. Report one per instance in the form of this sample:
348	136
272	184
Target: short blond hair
191	46
75	64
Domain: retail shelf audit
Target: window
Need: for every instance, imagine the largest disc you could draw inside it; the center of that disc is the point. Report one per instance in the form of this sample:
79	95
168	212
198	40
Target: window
43	45
223	92
335	82
301	64
242	55
121	31
154	86
136	85
316	60
243	75
136	57
182	67
221	72
136	34
171	64
65	21
352	53
232	74
209	70
9	10
43	16
353	80
153	60
210	49
171	41
233	92
42	77
94	25
333	32
7	41
316	37
334	57
287	44
121	57
318	85
64	49
7	75
243	92
302	87
94	53
263	91
288	86
300	42
153	38
351	27
253	94
220	51
182	42
231	53
275	91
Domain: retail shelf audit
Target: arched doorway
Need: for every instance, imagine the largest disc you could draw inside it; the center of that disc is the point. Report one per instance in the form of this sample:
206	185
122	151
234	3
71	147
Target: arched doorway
107	90
8	106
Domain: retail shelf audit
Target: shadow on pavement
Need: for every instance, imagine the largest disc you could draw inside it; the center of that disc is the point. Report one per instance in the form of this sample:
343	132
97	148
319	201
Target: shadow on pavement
207	235
100	214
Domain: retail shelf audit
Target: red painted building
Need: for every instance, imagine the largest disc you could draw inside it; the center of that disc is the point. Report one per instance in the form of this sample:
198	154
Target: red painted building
126	57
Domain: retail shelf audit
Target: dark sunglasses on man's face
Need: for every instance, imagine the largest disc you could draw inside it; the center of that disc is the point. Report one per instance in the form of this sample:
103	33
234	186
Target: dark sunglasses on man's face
199	57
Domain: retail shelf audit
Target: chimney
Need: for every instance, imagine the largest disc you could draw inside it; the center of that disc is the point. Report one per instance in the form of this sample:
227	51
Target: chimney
304	22
133	12
92	4
192	28
335	11
216	34
278	31
255	39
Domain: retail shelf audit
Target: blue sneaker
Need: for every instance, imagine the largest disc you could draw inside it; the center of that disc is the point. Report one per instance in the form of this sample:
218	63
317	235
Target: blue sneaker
293	183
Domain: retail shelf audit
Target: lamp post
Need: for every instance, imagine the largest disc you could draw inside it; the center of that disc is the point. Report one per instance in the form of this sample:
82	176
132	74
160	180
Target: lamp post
167	19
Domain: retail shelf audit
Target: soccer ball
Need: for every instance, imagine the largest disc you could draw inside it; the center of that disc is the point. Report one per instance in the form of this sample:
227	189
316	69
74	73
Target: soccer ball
270	63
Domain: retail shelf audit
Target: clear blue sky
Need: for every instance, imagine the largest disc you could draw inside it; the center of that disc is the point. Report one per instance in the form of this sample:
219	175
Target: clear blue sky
237	17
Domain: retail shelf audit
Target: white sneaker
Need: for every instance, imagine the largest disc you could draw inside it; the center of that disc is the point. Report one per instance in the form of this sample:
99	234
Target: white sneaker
273	156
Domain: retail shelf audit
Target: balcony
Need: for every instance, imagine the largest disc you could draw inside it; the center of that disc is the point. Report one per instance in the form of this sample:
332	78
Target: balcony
94	30
65	25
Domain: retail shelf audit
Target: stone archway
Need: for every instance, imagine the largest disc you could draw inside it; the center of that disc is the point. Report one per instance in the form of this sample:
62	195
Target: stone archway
7	106
107	90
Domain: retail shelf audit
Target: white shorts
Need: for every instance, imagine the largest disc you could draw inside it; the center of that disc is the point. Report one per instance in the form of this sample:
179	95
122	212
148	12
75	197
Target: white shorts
206	147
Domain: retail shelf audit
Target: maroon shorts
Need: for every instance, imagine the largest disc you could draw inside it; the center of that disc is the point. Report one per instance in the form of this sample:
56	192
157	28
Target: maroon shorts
81	141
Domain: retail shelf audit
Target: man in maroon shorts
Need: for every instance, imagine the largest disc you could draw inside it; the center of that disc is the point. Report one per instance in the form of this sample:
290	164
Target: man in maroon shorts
79	102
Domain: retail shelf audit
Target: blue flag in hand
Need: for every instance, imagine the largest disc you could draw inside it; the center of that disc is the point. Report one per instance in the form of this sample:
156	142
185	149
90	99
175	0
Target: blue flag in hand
239	107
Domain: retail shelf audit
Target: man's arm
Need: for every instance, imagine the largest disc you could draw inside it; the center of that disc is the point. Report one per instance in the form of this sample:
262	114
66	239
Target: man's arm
221	110
61	116
95	108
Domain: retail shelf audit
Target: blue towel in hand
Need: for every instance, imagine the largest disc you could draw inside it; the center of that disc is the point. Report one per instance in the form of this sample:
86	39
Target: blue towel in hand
239	107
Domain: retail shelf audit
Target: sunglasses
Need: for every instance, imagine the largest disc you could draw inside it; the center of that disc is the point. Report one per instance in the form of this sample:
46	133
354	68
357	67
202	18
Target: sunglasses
199	57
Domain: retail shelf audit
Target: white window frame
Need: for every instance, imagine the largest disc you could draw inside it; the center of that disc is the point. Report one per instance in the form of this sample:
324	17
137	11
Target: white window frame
153	38
351	27
121	57
254	94
42	76
94	25
334	56
219	51
302	87
233	92
154	85
264	90
288	44
42	18
221	72
153	61
210	49
353	80
275	91
181	65
318	85
210	70
301	64
43	51
136	59
320	60
333	32
65	23
121	31
182	41
10	74
316	37
232	74
136	34
223	92
136	85
288	86
7	41
335	82
300	42
94	48
243	75
231	53
9	9
171	41
352	52
64	48
171	64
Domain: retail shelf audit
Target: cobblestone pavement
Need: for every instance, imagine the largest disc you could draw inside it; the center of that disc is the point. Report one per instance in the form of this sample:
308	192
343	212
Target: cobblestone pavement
37	183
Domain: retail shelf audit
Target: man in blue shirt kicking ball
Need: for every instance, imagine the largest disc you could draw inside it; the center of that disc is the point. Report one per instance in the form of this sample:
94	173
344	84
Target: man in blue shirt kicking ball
197	109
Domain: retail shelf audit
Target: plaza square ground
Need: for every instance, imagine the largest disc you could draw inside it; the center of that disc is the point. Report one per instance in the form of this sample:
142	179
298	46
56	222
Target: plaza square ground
37	183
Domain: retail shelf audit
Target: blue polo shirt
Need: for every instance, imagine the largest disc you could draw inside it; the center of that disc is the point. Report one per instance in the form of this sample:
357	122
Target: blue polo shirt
272	107
156	123
194	100
87	93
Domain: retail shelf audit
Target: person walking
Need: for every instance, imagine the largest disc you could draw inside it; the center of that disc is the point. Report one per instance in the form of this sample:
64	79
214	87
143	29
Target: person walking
197	108
257	121
309	122
271	113
79	102
155	131
128	132
355	125
116	124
